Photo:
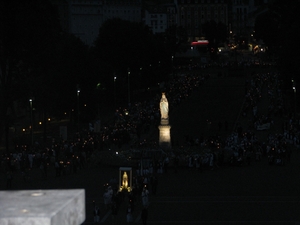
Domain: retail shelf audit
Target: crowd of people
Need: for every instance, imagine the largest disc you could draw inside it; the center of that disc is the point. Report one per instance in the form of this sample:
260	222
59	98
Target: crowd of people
242	146
130	125
144	184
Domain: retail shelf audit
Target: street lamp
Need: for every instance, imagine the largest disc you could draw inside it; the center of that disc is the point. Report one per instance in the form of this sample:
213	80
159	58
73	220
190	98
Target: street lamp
140	79
115	78
128	86
78	92
173	65
295	102
31	121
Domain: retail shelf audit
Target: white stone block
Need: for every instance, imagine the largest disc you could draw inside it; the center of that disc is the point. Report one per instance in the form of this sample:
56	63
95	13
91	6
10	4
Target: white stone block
42	207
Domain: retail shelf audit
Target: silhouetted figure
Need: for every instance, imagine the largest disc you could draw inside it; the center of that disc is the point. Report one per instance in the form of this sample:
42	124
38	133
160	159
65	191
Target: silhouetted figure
114	212
220	125
226	125
96	214
144	215
9	180
176	164
154	184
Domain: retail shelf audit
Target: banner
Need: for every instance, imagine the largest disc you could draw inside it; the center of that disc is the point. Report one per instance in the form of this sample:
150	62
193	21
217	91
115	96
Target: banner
265	126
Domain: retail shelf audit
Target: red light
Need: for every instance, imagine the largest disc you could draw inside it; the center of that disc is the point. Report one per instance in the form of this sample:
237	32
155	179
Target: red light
201	42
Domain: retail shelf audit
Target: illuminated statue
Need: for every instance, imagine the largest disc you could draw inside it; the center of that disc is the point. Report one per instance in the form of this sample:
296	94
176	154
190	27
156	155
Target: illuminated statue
164	107
125	181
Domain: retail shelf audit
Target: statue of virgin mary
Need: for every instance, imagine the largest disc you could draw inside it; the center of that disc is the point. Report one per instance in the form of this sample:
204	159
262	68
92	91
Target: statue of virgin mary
164	107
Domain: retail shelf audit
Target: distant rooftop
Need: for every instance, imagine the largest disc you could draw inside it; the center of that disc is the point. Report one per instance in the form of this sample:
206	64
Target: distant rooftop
160	2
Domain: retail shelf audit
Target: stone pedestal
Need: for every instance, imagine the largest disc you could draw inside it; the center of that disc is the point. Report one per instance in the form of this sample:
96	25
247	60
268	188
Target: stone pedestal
42	207
164	136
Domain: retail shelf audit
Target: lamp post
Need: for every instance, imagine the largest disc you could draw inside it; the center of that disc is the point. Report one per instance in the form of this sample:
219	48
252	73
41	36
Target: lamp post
295	102
78	92
99	89
172	66
128	74
31	121
140	79
115	97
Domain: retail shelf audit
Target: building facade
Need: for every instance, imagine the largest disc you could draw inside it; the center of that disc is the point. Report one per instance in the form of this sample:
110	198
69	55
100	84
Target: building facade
86	17
159	17
130	10
240	10
192	14
63	12
83	18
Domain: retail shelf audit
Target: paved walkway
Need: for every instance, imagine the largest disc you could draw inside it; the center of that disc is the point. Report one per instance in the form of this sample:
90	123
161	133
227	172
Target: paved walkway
251	194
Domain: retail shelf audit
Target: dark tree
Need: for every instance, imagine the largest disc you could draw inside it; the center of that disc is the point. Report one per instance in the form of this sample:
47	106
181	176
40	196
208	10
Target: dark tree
288	40
29	30
175	37
215	33
122	44
72	67
278	28
267	29
123	47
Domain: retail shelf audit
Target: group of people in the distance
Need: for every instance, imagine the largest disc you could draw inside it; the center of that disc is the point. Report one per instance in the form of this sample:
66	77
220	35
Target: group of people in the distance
242	146
239	148
135	200
128	127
